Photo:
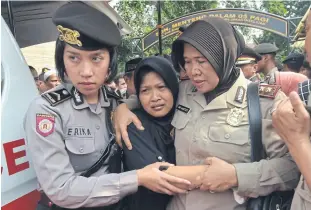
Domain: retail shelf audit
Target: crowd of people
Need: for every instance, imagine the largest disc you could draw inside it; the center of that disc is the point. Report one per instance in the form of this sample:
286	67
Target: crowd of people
214	126
46	80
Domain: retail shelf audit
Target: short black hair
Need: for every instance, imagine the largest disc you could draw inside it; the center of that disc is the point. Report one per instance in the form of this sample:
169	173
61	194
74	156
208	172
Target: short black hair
60	66
117	78
294	66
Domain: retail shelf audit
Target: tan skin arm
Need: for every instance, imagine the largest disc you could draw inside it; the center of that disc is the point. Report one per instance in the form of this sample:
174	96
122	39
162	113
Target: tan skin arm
193	174
123	117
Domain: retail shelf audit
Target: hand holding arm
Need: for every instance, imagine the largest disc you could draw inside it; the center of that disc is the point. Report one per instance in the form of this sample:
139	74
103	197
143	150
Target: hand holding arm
219	176
158	181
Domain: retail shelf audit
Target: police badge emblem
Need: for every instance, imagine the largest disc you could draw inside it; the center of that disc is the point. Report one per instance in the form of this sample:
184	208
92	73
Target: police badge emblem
69	36
235	117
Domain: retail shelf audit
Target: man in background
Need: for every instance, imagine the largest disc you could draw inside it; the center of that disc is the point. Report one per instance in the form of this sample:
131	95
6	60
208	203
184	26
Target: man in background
288	81
48	79
293	62
267	65
121	86
248	64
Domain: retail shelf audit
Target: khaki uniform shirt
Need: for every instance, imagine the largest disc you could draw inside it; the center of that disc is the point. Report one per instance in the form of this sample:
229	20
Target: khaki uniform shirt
65	140
302	197
221	129
270	77
255	78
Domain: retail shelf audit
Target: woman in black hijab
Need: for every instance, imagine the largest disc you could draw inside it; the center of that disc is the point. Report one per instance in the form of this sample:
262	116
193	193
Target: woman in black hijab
156	86
212	123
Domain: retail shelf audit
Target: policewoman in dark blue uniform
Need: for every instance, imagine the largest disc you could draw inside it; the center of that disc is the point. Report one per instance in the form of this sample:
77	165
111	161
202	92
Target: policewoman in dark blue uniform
68	128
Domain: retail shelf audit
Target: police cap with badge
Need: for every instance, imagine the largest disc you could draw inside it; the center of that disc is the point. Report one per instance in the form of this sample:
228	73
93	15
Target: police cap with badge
266	48
249	56
84	28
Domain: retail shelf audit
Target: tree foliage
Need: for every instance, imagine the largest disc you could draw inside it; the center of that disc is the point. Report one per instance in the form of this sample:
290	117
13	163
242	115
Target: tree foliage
287	9
142	17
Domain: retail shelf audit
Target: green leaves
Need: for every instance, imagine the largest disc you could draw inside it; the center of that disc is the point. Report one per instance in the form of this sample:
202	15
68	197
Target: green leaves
142	17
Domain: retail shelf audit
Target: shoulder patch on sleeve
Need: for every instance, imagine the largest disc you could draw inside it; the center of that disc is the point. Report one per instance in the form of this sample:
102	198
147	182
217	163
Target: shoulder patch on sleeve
56	97
45	124
268	91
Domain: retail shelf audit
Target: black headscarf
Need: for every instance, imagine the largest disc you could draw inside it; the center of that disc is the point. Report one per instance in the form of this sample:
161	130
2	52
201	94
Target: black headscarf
165	70
219	43
159	128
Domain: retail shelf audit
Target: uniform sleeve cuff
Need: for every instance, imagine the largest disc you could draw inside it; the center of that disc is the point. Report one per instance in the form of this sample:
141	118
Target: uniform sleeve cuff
248	178
128	183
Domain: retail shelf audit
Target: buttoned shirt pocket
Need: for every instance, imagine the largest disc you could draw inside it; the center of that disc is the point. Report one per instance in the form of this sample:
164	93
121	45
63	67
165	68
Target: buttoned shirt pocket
80	144
182	136
224	133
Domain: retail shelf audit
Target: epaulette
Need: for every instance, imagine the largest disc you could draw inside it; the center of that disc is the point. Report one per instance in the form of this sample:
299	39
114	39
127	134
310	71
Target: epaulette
111	94
56	97
268	91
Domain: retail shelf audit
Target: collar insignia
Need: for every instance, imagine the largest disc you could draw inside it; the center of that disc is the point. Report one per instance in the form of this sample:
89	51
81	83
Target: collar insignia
240	93
268	91
77	97
56	97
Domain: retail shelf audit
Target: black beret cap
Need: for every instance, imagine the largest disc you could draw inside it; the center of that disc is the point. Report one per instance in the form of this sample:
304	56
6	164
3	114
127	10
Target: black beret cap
85	28
132	64
266	48
294	58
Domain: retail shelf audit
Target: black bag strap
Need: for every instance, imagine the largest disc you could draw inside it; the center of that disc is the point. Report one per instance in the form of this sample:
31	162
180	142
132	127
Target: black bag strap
255	121
98	164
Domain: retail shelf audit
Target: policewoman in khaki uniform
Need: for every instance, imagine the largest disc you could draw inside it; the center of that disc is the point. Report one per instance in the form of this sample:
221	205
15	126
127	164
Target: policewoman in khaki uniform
211	122
212	126
67	128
